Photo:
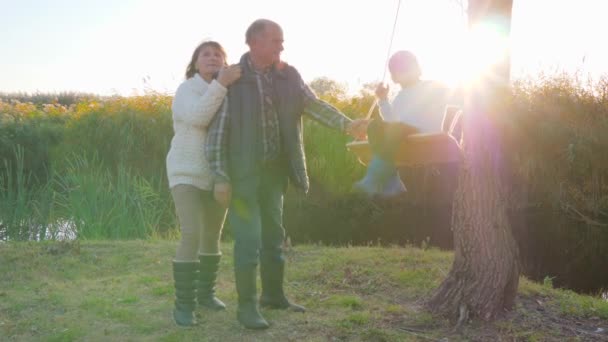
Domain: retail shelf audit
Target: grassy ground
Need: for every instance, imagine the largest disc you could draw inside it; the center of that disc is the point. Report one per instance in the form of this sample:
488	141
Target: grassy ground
122	291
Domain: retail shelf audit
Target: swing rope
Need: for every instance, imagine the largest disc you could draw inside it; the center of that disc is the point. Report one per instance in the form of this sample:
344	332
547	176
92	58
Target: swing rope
390	46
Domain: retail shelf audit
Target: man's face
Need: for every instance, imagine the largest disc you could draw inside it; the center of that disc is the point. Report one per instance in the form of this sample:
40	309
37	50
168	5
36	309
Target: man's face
267	45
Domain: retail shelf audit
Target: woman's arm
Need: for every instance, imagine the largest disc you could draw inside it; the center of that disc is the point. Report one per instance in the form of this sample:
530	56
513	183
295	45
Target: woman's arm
197	110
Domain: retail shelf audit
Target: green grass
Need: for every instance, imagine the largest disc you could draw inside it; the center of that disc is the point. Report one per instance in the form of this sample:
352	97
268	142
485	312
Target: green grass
86	198
105	206
566	301
122	290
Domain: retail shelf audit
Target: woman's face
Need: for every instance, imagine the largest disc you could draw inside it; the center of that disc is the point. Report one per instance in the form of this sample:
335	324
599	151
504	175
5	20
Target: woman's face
210	60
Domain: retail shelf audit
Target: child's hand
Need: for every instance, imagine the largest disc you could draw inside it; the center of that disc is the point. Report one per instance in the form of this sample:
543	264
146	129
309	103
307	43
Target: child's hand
382	91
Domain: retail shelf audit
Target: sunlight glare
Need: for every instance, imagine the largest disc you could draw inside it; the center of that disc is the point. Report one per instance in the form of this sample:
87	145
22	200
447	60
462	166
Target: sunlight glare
486	46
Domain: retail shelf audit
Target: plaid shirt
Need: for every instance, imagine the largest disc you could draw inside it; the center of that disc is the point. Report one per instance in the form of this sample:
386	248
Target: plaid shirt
270	121
217	139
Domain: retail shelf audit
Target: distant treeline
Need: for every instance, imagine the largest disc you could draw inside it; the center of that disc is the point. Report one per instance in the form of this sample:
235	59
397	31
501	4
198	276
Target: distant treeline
63	98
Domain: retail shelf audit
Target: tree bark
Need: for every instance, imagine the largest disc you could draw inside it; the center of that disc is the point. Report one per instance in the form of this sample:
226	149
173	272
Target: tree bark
485	274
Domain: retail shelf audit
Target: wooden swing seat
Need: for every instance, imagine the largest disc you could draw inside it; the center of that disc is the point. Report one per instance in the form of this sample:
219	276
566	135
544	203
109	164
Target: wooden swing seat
421	148
416	150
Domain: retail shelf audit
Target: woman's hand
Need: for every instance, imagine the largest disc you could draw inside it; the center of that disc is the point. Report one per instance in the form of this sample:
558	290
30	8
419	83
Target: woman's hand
382	91
222	193
229	74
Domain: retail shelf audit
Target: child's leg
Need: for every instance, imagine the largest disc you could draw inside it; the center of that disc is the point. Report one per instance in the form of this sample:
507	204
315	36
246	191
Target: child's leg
382	177
379	171
394	186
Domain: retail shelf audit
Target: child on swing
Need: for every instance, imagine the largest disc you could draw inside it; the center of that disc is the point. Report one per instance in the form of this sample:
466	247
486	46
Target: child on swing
418	108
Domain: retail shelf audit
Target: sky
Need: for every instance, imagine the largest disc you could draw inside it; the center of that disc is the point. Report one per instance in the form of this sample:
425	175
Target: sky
128	47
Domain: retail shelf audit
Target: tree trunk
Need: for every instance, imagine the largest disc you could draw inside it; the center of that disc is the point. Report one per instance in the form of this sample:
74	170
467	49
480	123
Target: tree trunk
485	274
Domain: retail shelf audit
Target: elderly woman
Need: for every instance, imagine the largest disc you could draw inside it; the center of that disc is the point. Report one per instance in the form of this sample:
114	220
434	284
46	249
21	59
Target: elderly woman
201	218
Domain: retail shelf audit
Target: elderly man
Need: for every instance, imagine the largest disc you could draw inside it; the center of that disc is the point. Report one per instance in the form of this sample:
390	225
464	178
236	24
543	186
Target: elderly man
255	147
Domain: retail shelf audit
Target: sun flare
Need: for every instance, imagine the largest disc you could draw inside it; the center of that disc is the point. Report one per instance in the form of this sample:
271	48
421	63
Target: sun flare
481	48
486	46
471	55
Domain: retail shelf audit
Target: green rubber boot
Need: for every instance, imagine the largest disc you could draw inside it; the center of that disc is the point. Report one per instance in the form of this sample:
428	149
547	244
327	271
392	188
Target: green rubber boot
247	312
184	275
272	273
209	265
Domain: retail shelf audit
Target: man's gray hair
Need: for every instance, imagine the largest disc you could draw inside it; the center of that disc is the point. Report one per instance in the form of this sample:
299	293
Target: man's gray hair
257	27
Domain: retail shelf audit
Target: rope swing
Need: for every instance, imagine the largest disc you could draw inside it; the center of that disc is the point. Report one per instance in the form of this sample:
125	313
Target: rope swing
388	55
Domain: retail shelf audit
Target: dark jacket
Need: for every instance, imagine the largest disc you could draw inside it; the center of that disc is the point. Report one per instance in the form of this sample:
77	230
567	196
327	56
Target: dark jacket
245	138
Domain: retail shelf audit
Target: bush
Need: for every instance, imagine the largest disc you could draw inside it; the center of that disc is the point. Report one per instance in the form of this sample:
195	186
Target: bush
554	136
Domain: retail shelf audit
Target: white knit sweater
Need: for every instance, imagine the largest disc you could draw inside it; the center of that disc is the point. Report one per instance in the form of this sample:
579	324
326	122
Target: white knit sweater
194	105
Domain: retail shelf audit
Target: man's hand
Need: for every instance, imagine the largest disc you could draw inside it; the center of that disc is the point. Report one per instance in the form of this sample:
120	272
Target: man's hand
382	91
222	193
358	128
